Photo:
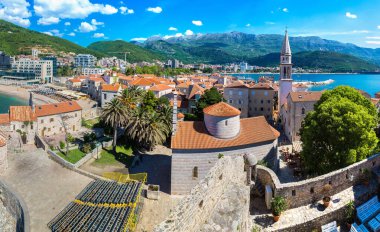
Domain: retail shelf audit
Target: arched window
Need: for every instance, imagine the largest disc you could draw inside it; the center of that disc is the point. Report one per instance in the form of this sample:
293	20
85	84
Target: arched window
226	122
303	110
195	172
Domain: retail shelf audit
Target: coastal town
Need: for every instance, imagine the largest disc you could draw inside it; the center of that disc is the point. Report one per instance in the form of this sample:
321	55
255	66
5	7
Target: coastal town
142	152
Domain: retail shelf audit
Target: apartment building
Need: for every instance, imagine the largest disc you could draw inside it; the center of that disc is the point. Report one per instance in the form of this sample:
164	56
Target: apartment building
43	69
85	61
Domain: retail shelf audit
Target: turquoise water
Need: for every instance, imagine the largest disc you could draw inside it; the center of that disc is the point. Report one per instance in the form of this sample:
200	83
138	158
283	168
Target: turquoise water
370	83
6	101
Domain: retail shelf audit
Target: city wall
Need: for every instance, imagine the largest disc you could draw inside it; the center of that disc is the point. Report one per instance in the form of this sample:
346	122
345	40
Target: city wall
15	205
199	210
310	191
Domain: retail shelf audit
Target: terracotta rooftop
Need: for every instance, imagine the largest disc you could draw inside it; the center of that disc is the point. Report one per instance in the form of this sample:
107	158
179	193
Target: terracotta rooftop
4	119
143	82
75	80
195	89
96	79
21	114
221	109
183	85
110	88
237	84
261	86
194	135
160	87
305	96
57	108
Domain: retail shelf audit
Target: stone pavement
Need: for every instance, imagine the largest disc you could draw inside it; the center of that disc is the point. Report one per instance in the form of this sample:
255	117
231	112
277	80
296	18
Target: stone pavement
303	214
45	186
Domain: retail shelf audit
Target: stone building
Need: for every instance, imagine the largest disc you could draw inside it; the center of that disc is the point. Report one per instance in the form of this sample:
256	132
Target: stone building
109	92
55	118
299	104
197	146
23	120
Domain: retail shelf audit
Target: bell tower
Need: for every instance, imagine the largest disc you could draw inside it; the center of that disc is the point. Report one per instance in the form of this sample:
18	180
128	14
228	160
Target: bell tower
286	81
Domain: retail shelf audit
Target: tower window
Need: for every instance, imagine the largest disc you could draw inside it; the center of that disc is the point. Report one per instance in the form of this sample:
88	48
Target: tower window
303	111
226	122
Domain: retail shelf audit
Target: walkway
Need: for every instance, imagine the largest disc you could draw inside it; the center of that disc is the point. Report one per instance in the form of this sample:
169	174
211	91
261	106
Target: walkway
300	215
45	186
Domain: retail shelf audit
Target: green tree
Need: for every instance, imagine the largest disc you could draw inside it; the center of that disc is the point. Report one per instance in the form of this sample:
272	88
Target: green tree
149	101
339	132
210	97
115	115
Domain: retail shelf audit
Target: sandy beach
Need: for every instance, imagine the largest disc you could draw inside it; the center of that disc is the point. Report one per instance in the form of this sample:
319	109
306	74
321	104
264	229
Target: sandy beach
24	94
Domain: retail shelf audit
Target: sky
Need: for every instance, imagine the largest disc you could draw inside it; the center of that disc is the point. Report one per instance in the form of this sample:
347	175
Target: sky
87	21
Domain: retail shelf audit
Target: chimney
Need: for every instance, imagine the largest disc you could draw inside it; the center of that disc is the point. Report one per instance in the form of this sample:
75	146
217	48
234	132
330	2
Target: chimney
175	109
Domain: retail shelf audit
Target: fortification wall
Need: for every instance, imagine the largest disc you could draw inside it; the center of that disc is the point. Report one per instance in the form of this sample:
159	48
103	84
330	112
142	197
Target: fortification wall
199	211
310	190
15	206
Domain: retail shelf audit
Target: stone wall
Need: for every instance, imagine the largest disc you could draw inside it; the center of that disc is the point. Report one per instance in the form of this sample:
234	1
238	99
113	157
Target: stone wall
183	163
15	206
207	208
308	191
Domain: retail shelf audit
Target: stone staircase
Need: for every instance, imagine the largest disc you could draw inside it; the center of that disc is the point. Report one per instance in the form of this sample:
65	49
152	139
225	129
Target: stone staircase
258	189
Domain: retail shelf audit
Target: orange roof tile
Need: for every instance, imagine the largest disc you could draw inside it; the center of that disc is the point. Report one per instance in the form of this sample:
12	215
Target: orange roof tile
160	87
96	79
110	88
305	96
4	118
196	89
57	108
194	135
21	114
221	109
261	86
183	85
237	84
142	82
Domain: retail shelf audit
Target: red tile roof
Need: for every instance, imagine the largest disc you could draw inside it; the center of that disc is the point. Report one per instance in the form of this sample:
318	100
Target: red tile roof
57	108
21	114
221	109
237	84
110	88
196	89
143	82
194	135
4	118
261	86
160	87
305	96
75	80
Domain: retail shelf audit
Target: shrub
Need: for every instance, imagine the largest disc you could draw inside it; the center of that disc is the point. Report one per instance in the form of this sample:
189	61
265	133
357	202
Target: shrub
70	138
278	205
86	148
62	145
350	212
89	137
220	156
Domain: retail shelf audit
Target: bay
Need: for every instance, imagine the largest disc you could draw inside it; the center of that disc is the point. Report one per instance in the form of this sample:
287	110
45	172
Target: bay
369	83
7	100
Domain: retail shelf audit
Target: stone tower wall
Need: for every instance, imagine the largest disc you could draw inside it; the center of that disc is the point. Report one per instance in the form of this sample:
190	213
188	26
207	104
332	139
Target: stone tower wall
222	127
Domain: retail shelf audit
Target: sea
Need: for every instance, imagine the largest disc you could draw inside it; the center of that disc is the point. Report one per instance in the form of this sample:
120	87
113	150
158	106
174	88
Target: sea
7	100
369	83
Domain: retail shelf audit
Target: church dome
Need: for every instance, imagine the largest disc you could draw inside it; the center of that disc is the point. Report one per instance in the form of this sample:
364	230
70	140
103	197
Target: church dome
222	120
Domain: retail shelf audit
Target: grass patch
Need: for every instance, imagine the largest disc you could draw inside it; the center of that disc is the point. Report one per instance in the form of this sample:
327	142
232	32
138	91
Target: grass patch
73	156
124	155
91	123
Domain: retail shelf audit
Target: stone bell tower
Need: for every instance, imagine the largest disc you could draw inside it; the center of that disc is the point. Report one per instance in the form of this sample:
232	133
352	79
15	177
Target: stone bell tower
286	81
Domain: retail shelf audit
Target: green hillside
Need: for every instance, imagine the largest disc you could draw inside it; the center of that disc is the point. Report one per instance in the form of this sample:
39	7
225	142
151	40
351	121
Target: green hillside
18	40
327	61
118	47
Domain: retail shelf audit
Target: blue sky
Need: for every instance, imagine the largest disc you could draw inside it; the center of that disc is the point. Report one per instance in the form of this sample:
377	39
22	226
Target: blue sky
87	21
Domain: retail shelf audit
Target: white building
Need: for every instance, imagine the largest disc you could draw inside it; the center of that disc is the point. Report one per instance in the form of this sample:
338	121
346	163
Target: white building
90	71
84	60
43	69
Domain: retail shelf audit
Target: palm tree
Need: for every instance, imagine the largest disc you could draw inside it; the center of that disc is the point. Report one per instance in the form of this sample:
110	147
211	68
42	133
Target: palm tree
131	97
115	115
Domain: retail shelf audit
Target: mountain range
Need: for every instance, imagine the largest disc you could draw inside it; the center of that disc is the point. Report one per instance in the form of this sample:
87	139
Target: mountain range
220	48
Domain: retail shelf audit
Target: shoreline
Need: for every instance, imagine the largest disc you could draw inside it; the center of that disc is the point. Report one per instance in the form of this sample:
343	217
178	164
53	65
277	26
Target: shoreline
15	91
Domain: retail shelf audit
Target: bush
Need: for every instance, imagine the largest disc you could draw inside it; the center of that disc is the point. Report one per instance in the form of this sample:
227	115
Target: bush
62	145
220	156
70	138
278	205
89	137
190	117
350	212
86	148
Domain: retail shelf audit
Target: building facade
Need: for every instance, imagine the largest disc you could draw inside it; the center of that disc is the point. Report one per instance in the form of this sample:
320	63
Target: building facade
85	61
43	69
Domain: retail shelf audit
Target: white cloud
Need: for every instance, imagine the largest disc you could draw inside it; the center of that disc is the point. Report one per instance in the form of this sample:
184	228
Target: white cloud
71	34
373	37
351	16
70	9
197	23
335	33
171	36
15	11
86	27
269	23
286	10
96	23
48	21
67	24
373	42
189	32
124	10
378	27
248	25
98	35
172	29
139	39
53	32
156	9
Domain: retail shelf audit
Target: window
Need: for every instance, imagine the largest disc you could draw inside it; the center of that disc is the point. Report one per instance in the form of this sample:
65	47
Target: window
105	96
268	101
52	120
226	122
195	172
303	111
31	126
293	192
42	121
266	93
253	92
230	92
23	126
230	101
255	108
262	108
240	93
240	102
